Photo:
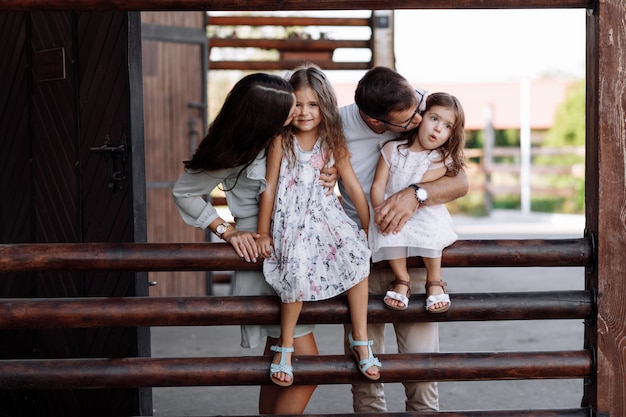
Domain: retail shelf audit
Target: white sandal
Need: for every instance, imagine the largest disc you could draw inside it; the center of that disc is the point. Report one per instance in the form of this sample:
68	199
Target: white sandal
397	296
431	300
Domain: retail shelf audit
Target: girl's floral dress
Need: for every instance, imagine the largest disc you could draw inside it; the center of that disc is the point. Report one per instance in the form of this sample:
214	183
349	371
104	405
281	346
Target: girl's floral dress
319	252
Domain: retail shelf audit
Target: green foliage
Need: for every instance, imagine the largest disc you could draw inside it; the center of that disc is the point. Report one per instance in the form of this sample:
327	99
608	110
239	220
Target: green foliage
507	137
569	130
569	122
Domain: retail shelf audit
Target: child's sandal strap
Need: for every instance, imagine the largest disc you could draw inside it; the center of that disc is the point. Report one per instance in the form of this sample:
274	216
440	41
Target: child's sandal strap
402	282
441	284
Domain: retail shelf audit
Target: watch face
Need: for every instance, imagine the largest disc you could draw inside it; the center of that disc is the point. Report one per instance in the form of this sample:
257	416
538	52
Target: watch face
220	229
421	194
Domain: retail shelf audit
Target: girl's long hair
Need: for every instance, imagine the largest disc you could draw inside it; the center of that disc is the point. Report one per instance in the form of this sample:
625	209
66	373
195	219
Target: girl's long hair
330	128
453	148
253	113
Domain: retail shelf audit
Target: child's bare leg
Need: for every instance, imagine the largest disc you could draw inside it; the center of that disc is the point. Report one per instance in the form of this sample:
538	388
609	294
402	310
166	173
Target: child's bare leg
289	314
398	267
357	302
433	274
288	400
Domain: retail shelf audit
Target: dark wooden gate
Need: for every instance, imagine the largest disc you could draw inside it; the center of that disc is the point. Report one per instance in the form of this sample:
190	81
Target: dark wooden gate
71	154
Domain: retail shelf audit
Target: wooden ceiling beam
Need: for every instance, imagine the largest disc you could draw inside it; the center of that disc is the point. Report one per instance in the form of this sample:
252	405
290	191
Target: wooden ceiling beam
288	44
248	20
271	5
284	64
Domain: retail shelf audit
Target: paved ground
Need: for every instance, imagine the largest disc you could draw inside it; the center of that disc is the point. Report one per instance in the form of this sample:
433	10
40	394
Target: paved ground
462	337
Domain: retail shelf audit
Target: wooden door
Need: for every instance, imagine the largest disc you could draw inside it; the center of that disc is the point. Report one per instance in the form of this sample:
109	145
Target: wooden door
82	182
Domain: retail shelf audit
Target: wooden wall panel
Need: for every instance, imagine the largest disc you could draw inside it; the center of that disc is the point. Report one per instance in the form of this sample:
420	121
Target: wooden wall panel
174	117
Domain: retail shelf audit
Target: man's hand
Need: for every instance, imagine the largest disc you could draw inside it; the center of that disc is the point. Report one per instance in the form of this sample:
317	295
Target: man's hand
328	178
393	213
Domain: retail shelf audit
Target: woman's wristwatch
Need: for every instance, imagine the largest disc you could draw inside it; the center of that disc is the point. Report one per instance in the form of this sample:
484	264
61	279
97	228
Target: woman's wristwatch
221	229
420	194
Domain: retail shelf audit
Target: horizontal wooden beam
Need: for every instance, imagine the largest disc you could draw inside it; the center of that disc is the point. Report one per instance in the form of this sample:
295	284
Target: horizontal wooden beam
272	5
25	313
286	21
288	44
310	370
39	257
286	64
555	412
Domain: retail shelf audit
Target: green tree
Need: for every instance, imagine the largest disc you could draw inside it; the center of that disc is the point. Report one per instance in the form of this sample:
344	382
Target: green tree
568	130
569	122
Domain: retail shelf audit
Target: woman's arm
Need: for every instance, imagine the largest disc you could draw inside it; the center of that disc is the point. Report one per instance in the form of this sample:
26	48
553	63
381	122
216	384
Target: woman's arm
266	205
190	195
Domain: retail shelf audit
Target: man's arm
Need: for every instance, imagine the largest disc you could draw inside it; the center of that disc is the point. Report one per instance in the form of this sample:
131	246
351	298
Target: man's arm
394	212
446	189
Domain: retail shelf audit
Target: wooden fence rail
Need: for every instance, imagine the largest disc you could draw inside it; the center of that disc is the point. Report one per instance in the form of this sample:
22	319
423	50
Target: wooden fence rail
575	412
137	372
221	257
222	311
312	370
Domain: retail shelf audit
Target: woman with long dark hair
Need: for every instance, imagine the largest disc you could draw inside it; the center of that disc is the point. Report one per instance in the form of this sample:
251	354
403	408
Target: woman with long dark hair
232	155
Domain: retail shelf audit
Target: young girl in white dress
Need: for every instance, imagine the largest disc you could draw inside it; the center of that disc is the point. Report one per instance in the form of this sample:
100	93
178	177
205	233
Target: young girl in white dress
425	154
313	251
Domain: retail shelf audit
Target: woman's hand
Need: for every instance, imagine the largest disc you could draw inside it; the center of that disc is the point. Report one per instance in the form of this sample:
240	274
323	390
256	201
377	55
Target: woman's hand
244	244
328	178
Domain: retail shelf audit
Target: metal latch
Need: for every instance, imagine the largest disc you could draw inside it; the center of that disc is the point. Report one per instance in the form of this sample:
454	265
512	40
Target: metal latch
116	161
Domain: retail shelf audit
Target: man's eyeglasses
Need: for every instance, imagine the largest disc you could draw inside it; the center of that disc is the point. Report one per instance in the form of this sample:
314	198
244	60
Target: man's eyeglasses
421	94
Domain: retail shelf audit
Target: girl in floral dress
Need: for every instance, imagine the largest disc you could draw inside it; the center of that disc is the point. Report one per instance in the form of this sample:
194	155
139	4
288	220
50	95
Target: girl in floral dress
422	155
312	250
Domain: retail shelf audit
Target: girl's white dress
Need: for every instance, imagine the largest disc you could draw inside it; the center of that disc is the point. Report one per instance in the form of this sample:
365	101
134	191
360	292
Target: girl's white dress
429	230
319	252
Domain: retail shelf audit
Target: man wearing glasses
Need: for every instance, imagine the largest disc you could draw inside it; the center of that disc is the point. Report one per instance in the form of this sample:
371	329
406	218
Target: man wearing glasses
386	104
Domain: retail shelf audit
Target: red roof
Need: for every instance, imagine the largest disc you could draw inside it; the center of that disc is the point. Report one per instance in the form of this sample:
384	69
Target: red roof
504	99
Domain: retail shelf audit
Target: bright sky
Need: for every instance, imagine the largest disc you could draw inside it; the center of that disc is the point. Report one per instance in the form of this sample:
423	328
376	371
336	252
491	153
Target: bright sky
464	46
489	45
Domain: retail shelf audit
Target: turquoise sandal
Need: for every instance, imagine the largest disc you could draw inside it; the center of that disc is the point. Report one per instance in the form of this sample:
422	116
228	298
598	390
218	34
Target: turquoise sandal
365	364
282	366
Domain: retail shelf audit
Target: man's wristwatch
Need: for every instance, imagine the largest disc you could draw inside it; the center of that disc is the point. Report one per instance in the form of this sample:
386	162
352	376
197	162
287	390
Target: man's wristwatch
221	229
420	194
